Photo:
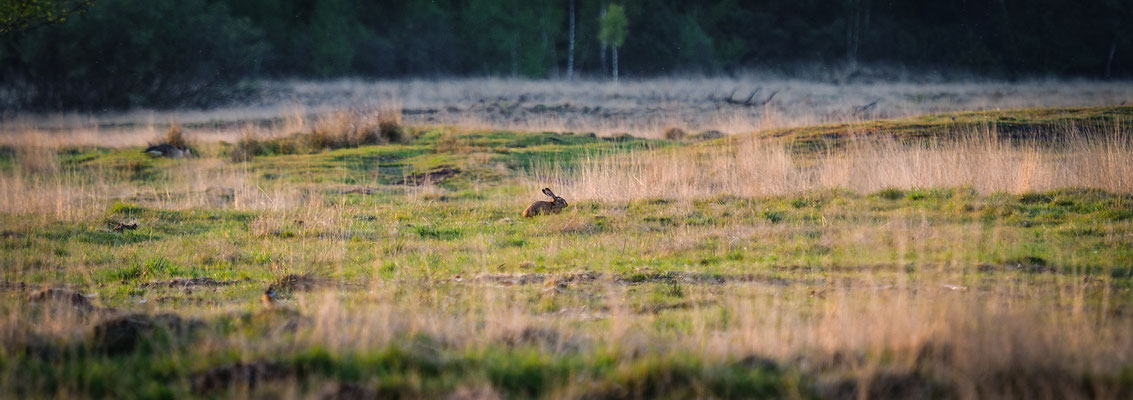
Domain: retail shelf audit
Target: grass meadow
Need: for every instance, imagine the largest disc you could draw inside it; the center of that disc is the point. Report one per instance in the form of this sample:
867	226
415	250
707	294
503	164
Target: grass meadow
951	254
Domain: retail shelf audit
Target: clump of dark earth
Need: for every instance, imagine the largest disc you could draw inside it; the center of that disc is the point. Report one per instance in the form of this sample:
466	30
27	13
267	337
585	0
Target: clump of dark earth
245	374
434	176
124	334
295	283
190	282
675	134
758	362
124	226
621	137
888	385
533	278
707	135
9	286
1028	264
63	297
543	338
346	391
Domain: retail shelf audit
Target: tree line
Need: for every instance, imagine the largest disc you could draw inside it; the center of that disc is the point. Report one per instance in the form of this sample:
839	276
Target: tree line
122	53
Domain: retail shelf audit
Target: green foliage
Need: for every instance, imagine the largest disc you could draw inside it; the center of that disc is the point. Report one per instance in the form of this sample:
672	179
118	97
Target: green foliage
614	26
126	209
123	53
891	194
696	49
18	15
432	232
331	31
121	274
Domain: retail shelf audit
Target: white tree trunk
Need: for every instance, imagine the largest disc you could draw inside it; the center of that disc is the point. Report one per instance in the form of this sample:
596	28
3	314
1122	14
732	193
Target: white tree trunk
570	45
615	63
857	23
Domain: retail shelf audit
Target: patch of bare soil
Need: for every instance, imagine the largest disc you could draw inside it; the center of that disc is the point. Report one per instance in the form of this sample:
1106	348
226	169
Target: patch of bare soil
1031	265
543	338
123	334
243	374
8	234
346	391
124	226
641	277
297	283
681	305
363	190
190	282
9	286
759	362
527	279
62	297
435	176
705	278
888	385
474	392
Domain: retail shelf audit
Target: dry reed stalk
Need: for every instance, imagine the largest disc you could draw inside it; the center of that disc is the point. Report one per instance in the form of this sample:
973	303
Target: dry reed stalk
754	167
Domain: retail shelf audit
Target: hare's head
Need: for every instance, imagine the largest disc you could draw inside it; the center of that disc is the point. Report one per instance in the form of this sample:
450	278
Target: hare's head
556	201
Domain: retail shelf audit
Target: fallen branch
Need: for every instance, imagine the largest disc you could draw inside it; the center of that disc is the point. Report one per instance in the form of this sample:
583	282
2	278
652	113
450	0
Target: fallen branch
749	101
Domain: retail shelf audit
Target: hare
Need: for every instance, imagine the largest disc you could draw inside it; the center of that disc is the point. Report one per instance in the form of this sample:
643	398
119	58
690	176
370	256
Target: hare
556	205
268	298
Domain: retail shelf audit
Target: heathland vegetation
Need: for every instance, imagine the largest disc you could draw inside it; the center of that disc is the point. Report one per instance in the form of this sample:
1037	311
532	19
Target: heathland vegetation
971	254
751	199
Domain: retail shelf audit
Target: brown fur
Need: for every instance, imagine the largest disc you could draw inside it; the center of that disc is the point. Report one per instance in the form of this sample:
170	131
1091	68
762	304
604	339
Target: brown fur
268	298
555	206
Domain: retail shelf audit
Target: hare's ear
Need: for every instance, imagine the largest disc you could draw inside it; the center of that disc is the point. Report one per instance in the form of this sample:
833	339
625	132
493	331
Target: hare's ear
547	191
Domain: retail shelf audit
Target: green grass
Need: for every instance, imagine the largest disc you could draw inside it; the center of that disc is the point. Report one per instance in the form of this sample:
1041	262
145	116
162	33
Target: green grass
459	254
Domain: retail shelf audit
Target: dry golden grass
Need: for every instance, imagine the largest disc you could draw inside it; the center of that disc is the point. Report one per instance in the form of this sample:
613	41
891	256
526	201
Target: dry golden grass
916	318
764	167
889	337
193	183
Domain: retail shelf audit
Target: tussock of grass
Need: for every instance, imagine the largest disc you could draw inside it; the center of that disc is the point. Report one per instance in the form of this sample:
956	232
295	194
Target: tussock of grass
674	133
343	129
1075	156
175	137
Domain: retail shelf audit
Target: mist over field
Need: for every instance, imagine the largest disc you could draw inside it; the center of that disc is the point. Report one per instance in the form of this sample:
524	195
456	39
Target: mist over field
486	199
643	108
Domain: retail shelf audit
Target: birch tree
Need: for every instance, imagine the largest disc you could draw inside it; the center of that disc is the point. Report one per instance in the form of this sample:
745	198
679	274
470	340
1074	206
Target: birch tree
614	27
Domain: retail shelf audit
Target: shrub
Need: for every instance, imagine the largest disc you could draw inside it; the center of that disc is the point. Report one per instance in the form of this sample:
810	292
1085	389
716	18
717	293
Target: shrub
247	148
353	128
195	50
891	193
175	137
391	131
675	133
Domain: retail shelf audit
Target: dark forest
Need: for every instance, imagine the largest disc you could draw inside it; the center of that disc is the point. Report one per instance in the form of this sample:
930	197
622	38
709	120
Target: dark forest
123	53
